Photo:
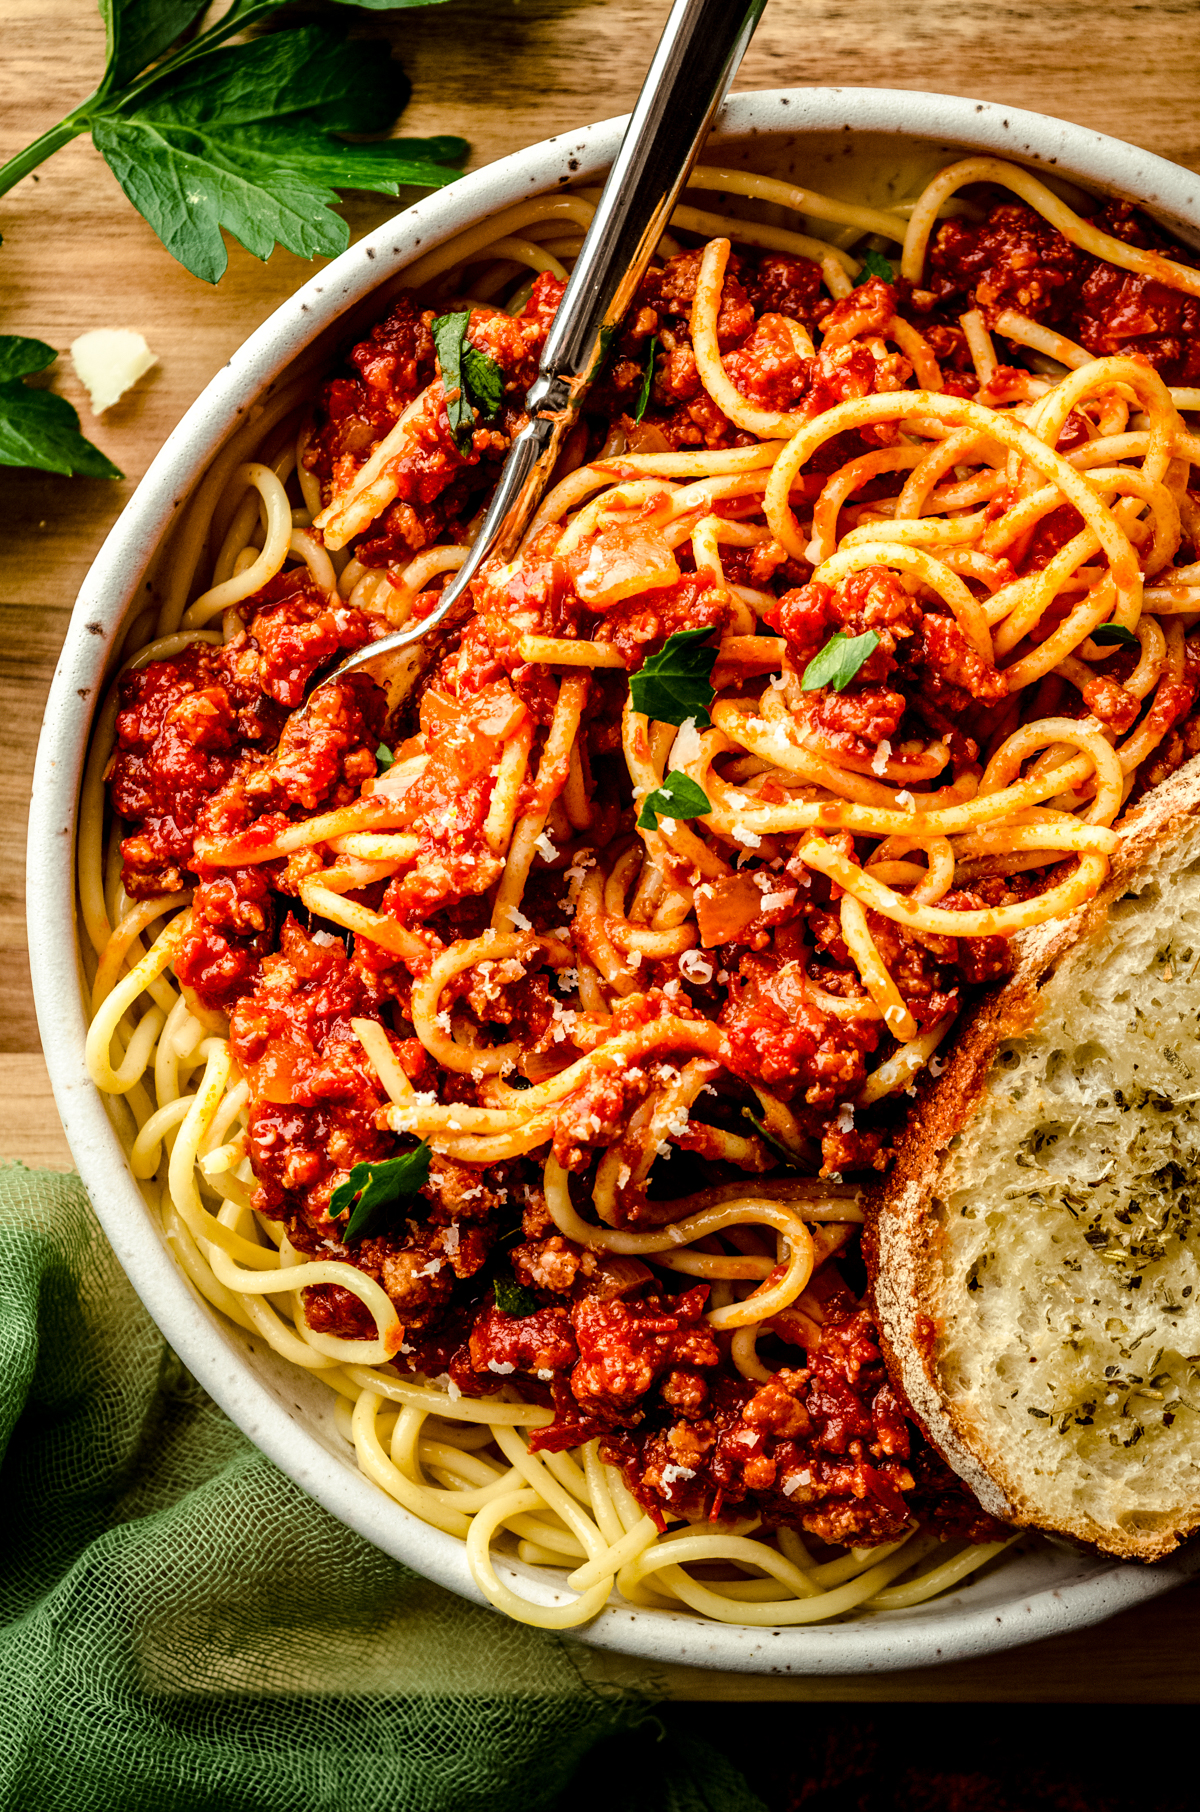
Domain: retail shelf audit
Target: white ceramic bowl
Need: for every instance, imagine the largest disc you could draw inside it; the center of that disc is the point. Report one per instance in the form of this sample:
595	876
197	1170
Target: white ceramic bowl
831	138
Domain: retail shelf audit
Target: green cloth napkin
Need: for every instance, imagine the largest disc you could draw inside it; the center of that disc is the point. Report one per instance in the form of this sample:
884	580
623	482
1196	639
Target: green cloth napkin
180	1626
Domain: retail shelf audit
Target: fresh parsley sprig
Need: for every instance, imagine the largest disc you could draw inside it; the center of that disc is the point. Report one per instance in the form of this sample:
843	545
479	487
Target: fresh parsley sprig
839	661
470	378
372	1193
672	685
874	264
241	137
643	402
38	428
677	797
1114	635
513	1298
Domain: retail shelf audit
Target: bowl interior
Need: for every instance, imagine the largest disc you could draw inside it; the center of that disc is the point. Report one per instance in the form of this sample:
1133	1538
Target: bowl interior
869	145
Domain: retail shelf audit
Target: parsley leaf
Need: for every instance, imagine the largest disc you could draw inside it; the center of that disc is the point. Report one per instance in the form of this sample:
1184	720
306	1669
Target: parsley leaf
372	1188
485	380
449	332
677	797
238	137
874	264
384	758
138	31
38	428
241	139
468	377
20	357
672	685
643	401
513	1299
839	661
1114	634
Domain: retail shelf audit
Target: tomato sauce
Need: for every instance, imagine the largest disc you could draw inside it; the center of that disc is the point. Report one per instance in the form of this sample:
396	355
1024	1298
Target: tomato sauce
206	750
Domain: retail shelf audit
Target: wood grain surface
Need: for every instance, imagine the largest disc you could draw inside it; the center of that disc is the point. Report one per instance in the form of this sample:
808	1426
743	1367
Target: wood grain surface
503	73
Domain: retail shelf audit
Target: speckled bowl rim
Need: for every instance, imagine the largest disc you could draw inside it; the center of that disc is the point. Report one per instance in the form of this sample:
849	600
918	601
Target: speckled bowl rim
1065	1591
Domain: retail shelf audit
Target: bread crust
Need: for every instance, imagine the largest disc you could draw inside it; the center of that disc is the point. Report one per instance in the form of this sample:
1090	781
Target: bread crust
901	1236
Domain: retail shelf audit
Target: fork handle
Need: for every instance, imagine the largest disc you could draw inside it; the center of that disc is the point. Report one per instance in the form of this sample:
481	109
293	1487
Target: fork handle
694	64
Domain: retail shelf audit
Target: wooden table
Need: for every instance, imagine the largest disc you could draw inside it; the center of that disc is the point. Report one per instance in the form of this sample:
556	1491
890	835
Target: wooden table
501	73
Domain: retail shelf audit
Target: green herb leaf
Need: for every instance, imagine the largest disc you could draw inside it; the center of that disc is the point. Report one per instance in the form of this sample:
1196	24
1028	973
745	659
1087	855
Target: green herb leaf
38	428
784	1153
20	357
1114	635
513	1299
839	661
643	401
672	685
449	332
677	797
384	757
241	138
874	264
485	380
138	31
372	1189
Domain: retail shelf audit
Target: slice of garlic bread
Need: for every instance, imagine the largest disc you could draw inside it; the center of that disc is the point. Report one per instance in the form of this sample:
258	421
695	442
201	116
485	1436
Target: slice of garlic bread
1035	1254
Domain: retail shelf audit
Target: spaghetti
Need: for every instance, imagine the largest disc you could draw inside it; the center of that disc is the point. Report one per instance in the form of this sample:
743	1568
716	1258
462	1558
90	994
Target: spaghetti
514	1065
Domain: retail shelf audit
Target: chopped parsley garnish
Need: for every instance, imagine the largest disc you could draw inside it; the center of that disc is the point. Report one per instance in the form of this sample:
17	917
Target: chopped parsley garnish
384	757
513	1299
677	797
839	661
371	1190
204	135
485	380
643	401
874	264
38	428
469	377
672	685
1114	635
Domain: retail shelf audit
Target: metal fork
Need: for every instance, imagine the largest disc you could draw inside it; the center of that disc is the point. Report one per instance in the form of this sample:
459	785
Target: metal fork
695	62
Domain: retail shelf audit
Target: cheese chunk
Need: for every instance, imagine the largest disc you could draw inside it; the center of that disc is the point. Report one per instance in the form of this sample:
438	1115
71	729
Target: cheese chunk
107	361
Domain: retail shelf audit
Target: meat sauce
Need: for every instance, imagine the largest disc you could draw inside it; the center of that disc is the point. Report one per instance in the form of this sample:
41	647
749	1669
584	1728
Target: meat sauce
205	748
1015	259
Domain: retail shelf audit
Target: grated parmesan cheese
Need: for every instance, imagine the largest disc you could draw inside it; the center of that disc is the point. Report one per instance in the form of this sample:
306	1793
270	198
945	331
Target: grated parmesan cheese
686	747
696	967
793	1483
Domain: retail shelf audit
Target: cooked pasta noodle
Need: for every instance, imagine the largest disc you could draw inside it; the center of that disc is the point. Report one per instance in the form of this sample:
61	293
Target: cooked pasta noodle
515	1064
